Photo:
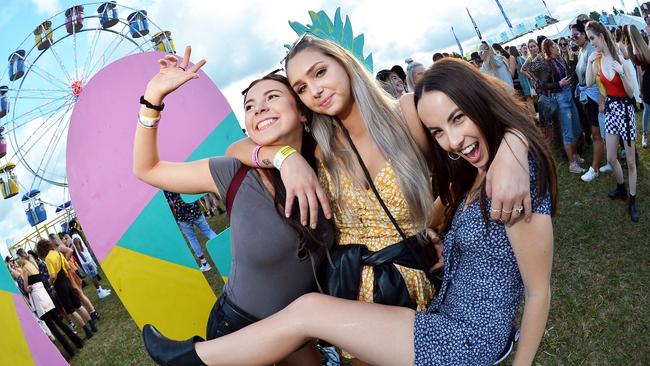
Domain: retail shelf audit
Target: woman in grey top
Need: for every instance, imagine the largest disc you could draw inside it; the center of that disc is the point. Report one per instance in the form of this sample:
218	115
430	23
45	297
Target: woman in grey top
273	257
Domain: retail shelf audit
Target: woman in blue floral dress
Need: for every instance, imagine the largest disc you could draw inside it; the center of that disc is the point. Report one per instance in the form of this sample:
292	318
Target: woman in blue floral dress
488	266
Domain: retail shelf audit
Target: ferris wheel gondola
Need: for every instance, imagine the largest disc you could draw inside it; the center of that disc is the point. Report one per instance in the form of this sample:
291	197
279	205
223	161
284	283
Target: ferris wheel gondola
46	75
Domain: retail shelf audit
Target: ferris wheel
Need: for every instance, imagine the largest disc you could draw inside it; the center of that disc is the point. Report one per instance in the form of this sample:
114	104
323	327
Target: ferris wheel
46	74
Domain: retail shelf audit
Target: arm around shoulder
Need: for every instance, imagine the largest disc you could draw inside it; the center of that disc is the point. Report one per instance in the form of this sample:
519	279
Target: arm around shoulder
409	111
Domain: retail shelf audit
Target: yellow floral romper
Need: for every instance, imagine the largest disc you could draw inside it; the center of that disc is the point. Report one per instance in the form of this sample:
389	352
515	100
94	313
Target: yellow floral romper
364	221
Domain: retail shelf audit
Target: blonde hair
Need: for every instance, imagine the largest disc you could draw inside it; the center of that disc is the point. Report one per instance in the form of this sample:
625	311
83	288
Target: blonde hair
490	60
640	49
386	126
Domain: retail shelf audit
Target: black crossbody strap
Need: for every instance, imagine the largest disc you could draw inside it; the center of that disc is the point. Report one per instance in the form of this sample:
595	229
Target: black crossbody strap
369	179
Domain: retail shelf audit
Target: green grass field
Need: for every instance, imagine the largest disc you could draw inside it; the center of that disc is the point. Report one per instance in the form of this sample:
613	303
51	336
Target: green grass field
600	285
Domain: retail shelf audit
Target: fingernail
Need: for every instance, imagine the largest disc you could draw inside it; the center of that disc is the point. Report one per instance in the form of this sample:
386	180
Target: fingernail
313	226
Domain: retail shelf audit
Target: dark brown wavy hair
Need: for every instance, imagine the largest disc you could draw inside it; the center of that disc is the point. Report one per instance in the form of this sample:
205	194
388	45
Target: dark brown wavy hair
486	101
310	240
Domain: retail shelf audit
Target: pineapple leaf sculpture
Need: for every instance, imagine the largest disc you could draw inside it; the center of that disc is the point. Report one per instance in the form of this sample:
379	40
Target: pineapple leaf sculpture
322	27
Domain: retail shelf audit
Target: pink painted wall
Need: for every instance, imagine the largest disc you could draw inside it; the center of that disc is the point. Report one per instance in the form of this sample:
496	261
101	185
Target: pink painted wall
107	110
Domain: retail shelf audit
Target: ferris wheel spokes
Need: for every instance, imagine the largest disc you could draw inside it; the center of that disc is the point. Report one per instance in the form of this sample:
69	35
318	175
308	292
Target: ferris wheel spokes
60	62
45	75
54	142
32	113
43	126
112	48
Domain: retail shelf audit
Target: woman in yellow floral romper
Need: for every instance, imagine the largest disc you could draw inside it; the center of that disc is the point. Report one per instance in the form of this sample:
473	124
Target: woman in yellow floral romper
393	144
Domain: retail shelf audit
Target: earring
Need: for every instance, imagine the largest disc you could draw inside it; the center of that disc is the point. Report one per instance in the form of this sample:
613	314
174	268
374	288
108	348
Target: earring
452	158
307	129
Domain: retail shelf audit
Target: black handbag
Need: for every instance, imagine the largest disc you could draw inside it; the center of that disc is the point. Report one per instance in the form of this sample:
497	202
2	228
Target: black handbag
341	277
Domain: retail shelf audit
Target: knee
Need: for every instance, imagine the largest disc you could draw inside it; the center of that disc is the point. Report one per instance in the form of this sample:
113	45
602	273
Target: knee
305	306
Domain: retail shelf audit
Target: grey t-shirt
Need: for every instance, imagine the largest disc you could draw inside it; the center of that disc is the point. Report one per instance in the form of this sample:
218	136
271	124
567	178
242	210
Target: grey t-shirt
266	274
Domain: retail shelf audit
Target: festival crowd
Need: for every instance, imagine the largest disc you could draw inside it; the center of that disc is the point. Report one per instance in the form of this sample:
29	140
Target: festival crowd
401	218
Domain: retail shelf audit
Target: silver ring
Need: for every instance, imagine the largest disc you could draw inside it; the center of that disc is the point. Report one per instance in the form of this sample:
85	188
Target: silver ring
519	209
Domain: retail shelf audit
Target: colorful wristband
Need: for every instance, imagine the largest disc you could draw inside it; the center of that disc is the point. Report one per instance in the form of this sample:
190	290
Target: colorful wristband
281	155
256	158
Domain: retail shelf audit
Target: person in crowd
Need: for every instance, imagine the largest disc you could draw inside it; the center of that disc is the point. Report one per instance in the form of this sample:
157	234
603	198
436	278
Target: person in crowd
640	55
523	87
485	276
43	305
437	57
391	144
391	83
414	72
188	216
87	262
495	65
590	99
275	257
510	60
475	60
559	87
523	50
620	121
58	271
624	46
397	69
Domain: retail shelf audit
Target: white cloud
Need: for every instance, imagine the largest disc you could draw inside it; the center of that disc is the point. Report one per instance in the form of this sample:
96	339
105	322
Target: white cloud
48	7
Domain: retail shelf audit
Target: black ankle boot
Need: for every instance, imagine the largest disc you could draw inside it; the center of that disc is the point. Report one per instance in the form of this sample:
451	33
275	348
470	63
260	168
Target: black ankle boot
89	333
634	212
165	351
93	325
94	315
619	192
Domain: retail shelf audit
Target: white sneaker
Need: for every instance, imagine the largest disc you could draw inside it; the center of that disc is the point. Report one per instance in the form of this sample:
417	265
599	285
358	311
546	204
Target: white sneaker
575	168
606	168
205	267
590	175
103	293
644	141
579	158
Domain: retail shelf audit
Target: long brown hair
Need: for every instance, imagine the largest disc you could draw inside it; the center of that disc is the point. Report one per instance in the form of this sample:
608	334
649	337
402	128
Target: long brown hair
43	247
489	105
310	240
599	29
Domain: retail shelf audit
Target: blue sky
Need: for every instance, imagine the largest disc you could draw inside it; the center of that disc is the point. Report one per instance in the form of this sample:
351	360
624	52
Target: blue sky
243	39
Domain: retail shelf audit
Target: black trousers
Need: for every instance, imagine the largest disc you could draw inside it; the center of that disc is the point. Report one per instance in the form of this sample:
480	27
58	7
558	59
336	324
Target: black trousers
56	325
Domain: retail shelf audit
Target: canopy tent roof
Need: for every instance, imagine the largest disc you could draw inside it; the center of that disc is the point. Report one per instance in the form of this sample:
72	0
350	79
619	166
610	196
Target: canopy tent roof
562	29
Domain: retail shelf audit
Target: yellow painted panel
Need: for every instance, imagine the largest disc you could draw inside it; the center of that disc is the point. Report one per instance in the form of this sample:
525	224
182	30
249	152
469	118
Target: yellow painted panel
12	339
175	298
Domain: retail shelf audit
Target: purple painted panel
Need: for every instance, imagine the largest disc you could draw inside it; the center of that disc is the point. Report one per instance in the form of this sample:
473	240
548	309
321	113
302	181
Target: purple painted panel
44	352
107	111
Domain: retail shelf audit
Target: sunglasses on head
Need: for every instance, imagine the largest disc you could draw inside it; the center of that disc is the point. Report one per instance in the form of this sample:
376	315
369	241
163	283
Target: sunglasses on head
293	45
243	92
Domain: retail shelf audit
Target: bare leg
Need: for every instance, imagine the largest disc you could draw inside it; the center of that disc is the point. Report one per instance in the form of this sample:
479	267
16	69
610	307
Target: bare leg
599	148
358	362
78	318
83	314
305	356
85	301
630	152
379	334
612	157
